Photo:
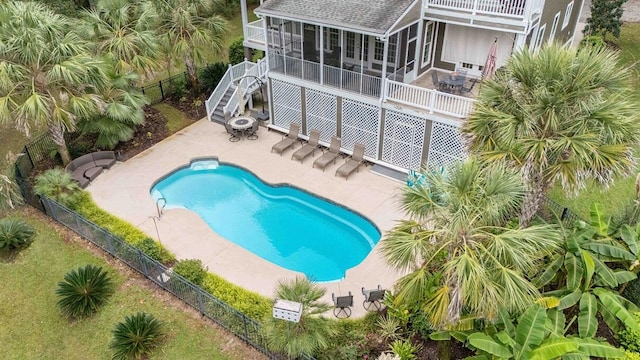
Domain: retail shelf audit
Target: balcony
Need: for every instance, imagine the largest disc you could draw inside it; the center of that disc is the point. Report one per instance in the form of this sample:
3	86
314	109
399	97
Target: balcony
505	15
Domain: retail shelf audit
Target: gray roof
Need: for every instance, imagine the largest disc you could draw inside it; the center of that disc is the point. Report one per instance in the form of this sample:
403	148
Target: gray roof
365	15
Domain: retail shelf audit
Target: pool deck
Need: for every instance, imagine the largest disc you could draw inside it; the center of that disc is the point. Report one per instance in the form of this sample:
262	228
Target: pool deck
124	191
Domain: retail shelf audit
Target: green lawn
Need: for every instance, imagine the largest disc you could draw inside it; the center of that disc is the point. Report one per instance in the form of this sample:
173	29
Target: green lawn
621	193
32	327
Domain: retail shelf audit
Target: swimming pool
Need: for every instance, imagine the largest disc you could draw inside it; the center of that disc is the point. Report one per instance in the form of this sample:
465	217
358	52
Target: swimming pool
282	224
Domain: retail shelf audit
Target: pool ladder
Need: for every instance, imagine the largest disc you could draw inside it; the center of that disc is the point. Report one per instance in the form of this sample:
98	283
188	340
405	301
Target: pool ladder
159	208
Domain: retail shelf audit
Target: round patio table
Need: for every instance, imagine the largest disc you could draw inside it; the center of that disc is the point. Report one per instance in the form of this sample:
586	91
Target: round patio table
242	123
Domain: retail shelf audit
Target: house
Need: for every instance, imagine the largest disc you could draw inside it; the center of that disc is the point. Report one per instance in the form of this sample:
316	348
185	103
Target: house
363	70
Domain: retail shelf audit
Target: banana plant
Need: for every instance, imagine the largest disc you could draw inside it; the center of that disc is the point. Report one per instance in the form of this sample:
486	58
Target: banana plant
538	335
584	280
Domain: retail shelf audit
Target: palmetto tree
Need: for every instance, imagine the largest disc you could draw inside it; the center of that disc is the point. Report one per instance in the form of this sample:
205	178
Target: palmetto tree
47	75
124	32
187	28
313	332
456	229
558	114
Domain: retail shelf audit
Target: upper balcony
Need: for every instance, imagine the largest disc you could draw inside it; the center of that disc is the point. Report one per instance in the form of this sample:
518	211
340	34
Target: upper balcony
506	15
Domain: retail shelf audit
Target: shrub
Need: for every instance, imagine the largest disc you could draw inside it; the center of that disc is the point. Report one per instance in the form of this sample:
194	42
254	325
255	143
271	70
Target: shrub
154	250
120	228
84	290
236	51
630	339
628	355
192	270
632	291
404	349
251	304
136	336
15	233
210	76
593	40
58	185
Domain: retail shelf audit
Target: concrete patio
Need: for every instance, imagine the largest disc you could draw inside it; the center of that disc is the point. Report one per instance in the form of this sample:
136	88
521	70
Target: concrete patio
124	191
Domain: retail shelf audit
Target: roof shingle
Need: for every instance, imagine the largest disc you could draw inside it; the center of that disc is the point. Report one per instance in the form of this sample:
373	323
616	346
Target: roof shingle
371	16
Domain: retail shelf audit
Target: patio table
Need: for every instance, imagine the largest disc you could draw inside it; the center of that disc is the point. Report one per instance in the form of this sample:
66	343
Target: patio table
242	123
453	82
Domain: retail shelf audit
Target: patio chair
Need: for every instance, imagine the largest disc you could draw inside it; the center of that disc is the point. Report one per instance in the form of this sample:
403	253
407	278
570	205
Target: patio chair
467	90
342	305
330	155
251	133
235	135
436	81
352	163
288	141
373	298
308	148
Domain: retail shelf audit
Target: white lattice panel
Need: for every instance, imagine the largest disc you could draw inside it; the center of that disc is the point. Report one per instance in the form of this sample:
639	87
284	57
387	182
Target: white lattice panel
403	140
321	113
446	146
287	103
360	124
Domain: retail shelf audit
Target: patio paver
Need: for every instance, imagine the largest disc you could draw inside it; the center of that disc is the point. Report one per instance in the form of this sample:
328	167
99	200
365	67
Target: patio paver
124	191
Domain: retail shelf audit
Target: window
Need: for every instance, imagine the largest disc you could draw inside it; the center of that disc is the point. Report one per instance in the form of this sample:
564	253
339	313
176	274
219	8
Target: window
378	50
540	37
331	38
351	45
567	15
428	43
554	27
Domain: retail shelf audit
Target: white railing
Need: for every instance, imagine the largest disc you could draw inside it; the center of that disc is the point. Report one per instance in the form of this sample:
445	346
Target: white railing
332	76
428	99
218	93
510	8
255	31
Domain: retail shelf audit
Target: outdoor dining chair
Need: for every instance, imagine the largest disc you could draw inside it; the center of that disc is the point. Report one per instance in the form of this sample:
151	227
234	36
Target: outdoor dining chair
342	305
373	298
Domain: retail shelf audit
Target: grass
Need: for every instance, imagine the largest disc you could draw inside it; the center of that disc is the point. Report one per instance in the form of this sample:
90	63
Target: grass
176	119
621	193
31	325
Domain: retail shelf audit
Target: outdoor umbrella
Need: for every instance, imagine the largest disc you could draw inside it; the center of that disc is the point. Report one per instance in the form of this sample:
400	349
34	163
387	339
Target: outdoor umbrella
490	65
240	98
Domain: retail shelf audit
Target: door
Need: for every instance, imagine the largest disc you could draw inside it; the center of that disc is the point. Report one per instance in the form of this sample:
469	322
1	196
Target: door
410	68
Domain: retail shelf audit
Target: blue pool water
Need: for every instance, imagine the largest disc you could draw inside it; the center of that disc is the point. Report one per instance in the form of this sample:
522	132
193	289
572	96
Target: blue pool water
281	224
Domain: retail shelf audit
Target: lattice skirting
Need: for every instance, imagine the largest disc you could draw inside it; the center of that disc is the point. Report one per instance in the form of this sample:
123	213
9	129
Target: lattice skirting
446	146
360	124
287	103
321	113
403	140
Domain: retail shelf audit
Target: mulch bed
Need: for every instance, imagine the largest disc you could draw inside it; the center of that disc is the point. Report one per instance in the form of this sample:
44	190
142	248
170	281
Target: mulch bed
148	134
187	104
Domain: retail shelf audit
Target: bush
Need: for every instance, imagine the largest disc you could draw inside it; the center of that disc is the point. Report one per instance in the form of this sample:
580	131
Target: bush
631	355
15	233
236	51
154	250
405	350
251	304
210	76
192	270
136	336
84	290
593	40
58	185
632	291
630	339
122	229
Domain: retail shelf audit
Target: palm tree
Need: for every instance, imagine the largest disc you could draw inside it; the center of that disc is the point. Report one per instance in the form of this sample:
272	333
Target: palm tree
457	231
122	112
312	332
188	27
558	114
47	75
84	290
124	32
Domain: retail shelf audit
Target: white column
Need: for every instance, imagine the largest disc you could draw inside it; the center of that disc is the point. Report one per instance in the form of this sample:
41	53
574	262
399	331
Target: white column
321	54
245	18
384	67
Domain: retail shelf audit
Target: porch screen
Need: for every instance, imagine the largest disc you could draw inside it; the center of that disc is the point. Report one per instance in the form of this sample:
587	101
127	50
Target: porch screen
464	44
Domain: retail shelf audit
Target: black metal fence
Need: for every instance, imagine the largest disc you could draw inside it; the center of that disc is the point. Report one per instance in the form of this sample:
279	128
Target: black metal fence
33	153
166	88
208	305
552	211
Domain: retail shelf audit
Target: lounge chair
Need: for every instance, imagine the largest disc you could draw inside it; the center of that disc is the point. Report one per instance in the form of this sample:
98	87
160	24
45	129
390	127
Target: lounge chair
308	148
330	155
353	162
342	305
288	141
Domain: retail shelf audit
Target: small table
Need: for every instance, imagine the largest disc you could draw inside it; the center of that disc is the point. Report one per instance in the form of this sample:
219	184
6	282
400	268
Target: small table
242	123
454	82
